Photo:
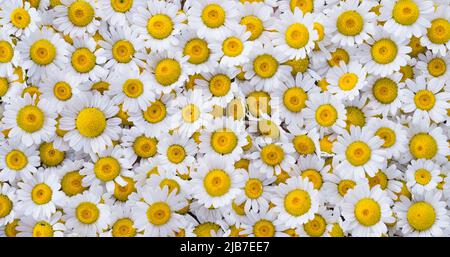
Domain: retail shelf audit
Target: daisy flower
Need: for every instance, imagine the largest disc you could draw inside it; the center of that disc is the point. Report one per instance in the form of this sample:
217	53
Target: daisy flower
177	152
44	227
8	203
70	178
59	88
122	224
169	179
346	81
389	179
234	47
304	142
262	224
314	6
320	226
119	12
392	134
9	56
422	175
314	169
77	17
437	37
136	144
336	187
273	157
19	18
256	17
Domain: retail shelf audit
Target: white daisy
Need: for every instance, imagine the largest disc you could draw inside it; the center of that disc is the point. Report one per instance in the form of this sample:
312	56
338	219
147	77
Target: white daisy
234	47
9	56
437	38
8	203
42	227
77	17
335	187
177	152
345	81
262	224
422	175
119	12
59	88
19	18
136	144
393	135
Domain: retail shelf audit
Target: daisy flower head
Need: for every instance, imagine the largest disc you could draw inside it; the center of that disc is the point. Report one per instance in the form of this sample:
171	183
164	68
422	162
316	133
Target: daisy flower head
392	134
273	157
435	67
177	152
256	17
122	224
336	187
137	145
422	176
262	224
77	17
424	215
320	226
43	227
18	18
304	142
70	178
59	88
306	6
9	56
314	169
8	203
16	159
345	81
91	123
119	12
437	38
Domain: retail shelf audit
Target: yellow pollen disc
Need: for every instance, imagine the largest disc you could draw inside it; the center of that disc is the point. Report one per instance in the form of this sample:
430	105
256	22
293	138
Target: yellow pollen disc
11	228
16	160
20	18
437	67
315	227
101	86
198	51
121	6
326	115
348	81
50	156
258	102
407	72
107	168
4	86
239	209
71	183
121	193
422	176
299	65
337	56
223	141
204	230
42	52
156	112
167	72
344	186
87	213
439	32
6	51
190	113
367	212
336	231
350	23
297	202
219	85
423	145
123	51
123	227
385	90
176	153
41	194
254	25
355	116
405	12
62	91
265	66
80	13
358	153
217	182
416	47
83	60
272	154
145	147
303	144
253	188
160	26
30	118
6	206
388	135
171	184
294	99
159	213
90	122
384	51
379	179
213	16
320	31
297	35
232	47
133	88
424	100
314	177
236	109
305	6
421	216
42	229
326	145
263	228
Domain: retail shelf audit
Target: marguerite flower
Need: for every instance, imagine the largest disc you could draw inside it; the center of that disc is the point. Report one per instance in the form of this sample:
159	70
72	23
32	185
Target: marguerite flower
77	17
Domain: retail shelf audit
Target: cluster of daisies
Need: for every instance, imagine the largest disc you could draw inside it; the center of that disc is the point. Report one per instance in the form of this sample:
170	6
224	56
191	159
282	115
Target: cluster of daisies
224	118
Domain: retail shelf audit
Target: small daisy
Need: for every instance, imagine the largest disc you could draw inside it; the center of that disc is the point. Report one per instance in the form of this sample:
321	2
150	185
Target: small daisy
16	159
345	81
168	70
304	142
393	135
273	157
136	144
77	17
122	224
177	152
9	56
59	89
335	187
262	224
320	226
309	6
18	18
119	12
169	179
437	38
435	67
43	227
8	203
314	169
422	175
71	179
256	18
234	47
389	179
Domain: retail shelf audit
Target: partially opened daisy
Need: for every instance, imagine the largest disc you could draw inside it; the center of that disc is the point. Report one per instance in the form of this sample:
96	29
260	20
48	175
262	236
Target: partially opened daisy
216	183
168	70
367	211
177	152
10	86
122	224
422	175
90	122
296	202
77	17
392	134
256	18
19	18
8	203
345	81
406	17
234	47
390	179
437	38
156	214
424	215
17	159
59	88
9	56
119	12
30	121
169	179
262	224
426	100
435	67
42	227
351	22
38	194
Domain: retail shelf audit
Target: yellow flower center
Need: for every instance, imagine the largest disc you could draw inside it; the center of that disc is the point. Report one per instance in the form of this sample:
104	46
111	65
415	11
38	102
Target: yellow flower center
30	118
272	154
265	66
254	25
204	230
16	160
326	115
358	153
258	102
388	135
367	212
62	91
213	16
123	227
345	185
156	112
320	31
239	209
123	51
405	12
50	156
107	168
297	35
299	65
350	23
11	228
424	100
133	88
71	183
294	99
315	227
437	67
101	86
439	32
167	72
90	122
121	193
6	206
6	51
176	153
407	72
422	176
41	194
83	60
379	179
421	216
263	228
384	51
336	231
217	182
297	202
326	144
303	144
4	86
268	128
423	145
355	116
80	13
190	113
337	56
87	213
171	184
219	85
145	147
348	81
42	229
198	51
416	47
253	188
160	26
313	176
20	18
305	6
121	5
385	90
223	141
42	52
232	46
